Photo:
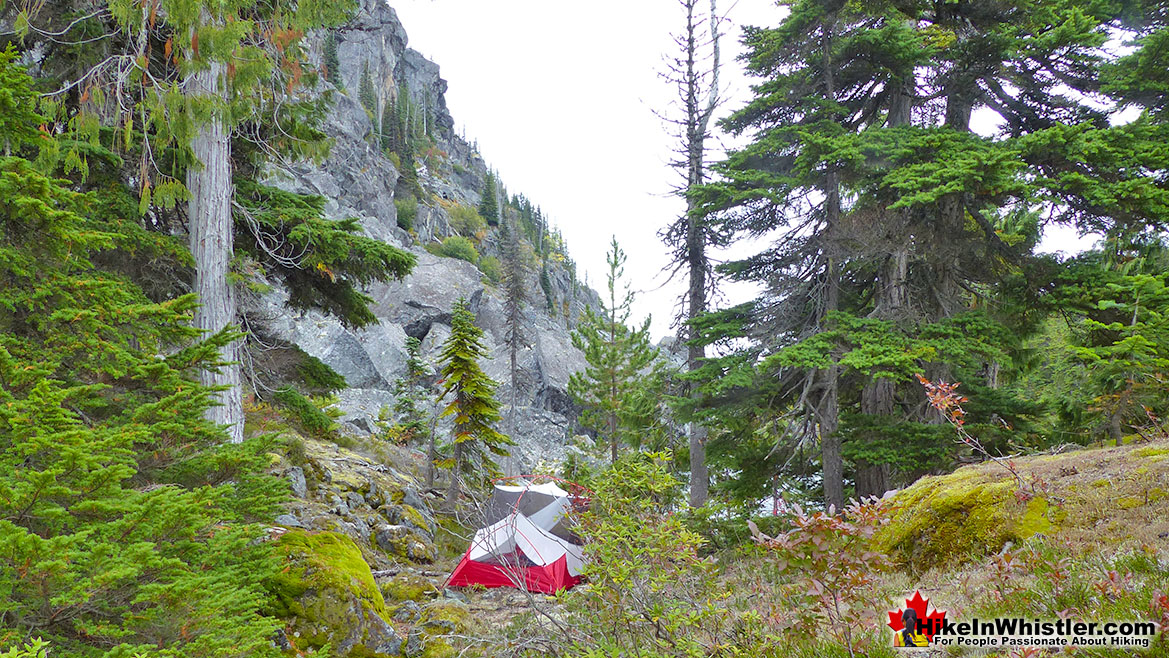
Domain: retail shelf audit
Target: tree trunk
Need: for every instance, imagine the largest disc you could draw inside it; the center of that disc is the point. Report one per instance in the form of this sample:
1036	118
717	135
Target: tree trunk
877	396
454	489
209	214
612	422
828	409
695	354
698	115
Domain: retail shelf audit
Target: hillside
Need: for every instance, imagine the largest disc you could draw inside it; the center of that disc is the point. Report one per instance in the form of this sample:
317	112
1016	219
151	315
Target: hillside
361	179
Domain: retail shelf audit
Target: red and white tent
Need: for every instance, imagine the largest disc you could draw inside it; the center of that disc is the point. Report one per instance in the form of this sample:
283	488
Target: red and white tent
527	542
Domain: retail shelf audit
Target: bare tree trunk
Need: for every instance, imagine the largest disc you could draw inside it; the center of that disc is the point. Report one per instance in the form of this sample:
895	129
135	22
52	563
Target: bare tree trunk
209	214
454	489
698	116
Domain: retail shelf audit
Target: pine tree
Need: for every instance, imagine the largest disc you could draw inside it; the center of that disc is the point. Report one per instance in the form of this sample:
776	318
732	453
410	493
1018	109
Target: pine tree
125	516
224	71
366	92
515	298
489	205
619	359
332	61
689	236
892	209
472	403
411	394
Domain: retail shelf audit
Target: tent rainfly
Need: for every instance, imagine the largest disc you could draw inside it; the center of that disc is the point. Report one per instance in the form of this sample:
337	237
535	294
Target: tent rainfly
527	542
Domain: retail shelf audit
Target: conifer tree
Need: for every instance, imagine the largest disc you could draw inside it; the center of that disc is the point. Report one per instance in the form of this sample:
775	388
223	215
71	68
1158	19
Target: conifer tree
332	61
366	93
690	235
929	222
126	522
411	394
472	402
489	205
619	359
224	72
515	298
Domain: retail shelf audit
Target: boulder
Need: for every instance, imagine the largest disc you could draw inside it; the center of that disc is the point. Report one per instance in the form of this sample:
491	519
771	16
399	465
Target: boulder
326	595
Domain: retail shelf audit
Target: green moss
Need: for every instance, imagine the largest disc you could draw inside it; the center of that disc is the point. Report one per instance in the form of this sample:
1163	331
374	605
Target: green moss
1129	502
958	517
438	648
1157	453
451	612
406	587
1102	482
415	517
325	578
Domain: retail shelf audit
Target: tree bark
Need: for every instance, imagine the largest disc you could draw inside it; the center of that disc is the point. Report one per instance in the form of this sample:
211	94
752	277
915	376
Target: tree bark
828	409
209	214
698	115
453	488
877	397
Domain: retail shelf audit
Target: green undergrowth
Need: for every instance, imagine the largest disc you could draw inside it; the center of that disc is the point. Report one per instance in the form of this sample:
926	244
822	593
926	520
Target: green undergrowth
1048	579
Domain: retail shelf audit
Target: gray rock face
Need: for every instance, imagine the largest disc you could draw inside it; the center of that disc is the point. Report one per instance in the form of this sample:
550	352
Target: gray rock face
359	180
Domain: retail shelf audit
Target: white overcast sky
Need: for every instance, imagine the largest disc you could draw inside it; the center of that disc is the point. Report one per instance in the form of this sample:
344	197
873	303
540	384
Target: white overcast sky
561	97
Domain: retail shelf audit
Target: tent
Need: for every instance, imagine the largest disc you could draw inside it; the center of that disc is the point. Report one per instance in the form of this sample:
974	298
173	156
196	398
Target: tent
527	541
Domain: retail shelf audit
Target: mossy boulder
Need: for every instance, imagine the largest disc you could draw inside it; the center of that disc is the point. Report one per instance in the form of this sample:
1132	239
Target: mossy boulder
407	587
327	595
430	638
353	494
958	517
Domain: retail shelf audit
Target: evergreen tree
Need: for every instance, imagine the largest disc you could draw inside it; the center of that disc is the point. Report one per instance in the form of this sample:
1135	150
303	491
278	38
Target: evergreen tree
127	524
619	359
892	209
226	72
515	298
366	93
411	394
489	205
472	403
332	61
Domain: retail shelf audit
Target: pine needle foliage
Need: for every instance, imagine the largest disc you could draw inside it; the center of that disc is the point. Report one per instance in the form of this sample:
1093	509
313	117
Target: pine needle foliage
323	262
619	360
489	205
126	524
472	398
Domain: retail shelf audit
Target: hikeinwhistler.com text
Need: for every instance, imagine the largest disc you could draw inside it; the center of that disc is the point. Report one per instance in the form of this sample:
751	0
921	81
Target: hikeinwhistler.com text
1020	632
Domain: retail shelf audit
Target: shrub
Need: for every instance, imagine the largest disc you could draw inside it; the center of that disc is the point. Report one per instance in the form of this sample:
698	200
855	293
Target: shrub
307	415
491	268
407	211
317	374
467	221
649	591
37	648
459	247
825	569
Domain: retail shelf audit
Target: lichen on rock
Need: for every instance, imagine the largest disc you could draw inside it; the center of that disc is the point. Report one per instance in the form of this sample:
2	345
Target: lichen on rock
960	516
327	596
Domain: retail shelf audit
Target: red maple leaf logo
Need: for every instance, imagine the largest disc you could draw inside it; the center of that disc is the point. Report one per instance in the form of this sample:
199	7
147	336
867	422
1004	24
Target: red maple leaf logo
931	622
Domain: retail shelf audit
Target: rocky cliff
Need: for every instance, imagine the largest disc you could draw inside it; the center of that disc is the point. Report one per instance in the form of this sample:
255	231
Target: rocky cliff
361	179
